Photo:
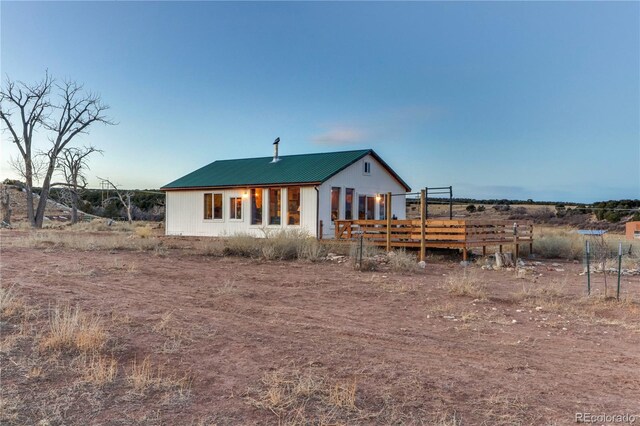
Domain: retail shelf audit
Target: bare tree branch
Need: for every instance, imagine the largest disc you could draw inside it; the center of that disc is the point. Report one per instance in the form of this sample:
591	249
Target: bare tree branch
124	197
72	164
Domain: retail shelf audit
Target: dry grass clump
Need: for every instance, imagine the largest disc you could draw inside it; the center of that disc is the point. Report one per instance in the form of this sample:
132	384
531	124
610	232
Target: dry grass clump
364	255
281	245
465	283
299	398
143	376
144	231
71	329
99	369
402	261
343	394
10	304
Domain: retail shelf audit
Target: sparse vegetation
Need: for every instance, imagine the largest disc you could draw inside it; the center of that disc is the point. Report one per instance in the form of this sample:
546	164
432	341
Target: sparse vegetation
402	261
215	319
466	283
71	329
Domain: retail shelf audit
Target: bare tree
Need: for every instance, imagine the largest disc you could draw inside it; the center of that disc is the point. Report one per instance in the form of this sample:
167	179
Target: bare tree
123	196
72	164
72	115
30	103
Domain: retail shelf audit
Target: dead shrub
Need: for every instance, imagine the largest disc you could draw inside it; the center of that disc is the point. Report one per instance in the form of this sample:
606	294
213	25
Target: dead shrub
465	283
242	245
71	329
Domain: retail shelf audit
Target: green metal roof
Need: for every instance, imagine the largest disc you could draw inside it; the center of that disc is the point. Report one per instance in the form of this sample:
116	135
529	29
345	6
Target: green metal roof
290	169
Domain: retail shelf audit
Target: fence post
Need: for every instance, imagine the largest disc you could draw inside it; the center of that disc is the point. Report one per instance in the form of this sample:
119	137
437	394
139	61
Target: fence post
361	250
588	270
450	202
321	231
619	268
388	207
423	224
515	244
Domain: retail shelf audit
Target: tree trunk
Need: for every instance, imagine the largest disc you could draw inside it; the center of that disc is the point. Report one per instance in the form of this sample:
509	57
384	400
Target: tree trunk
128	208
74	205
5	204
28	175
44	196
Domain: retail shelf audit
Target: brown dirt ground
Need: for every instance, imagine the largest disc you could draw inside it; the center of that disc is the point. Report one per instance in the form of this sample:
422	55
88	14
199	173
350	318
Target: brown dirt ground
417	354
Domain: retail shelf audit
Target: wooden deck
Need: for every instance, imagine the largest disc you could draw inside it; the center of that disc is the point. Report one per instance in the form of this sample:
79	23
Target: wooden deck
438	233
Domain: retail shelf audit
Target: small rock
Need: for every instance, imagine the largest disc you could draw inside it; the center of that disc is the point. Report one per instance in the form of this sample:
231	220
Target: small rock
514	321
422	264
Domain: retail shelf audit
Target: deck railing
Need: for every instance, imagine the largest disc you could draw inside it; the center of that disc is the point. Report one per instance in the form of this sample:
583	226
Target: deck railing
438	233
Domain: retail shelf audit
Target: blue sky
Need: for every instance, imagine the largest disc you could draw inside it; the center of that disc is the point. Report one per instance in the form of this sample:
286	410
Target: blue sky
499	99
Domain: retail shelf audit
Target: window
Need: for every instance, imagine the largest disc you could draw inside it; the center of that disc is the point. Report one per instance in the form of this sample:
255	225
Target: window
382	207
367	168
213	206
275	206
335	203
371	207
235	208
366	207
348	204
208	211
217	206
293	206
256	206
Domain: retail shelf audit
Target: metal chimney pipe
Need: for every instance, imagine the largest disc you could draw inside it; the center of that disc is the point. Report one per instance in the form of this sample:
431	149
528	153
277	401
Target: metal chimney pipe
275	150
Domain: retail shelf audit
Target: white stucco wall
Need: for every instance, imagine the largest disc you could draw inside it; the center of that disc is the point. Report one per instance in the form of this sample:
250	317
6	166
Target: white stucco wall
379	181
185	213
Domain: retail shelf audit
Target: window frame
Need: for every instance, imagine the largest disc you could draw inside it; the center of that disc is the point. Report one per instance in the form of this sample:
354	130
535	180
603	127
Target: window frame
213	210
233	200
331	209
298	211
278	203
353	196
366	168
263	209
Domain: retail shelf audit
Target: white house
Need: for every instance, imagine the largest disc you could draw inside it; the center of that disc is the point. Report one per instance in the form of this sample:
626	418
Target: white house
305	192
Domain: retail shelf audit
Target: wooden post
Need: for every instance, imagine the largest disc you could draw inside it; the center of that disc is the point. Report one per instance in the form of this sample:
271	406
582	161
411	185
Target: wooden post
320	236
388	207
515	244
484	250
423	223
426	201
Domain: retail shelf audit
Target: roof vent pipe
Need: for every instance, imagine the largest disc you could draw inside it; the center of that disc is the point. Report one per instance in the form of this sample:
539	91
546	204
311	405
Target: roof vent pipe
275	150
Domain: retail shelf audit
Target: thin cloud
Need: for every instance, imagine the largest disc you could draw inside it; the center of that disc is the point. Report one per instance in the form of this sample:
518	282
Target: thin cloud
340	136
